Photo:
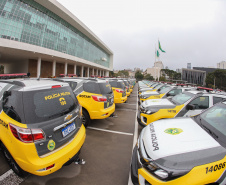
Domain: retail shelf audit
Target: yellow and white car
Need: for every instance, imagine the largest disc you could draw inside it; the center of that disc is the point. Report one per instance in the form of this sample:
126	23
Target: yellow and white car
40	125
164	92
182	151
186	104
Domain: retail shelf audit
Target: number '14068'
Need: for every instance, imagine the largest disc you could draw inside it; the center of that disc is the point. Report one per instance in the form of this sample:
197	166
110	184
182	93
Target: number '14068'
215	168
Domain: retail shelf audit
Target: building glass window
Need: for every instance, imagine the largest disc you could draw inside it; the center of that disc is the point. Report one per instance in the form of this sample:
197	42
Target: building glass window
29	22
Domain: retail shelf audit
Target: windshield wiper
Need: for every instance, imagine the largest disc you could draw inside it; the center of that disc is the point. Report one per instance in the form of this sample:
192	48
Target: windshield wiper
210	132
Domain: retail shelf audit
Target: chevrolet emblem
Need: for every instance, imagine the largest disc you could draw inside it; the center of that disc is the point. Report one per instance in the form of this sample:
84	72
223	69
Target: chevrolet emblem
68	117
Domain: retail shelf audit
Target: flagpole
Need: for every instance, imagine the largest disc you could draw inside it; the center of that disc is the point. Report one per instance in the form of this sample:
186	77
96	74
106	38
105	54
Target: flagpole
155	61
155	53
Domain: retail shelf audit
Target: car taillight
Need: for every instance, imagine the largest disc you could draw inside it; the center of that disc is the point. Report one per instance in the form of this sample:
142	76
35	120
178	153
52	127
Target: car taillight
27	135
47	168
119	90
56	86
126	87
99	98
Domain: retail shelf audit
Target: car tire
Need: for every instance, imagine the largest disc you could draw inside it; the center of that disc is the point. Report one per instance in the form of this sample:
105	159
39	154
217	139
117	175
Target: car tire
85	118
12	163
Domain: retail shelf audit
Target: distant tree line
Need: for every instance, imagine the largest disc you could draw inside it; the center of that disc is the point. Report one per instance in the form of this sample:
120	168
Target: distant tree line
121	73
216	79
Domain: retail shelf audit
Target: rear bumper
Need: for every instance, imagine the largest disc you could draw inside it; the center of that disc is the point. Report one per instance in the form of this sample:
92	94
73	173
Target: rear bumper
59	157
120	100
102	113
128	93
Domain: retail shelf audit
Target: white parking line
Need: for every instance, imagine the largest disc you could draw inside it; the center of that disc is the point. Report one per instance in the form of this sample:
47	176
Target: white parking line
6	174
129	104
111	131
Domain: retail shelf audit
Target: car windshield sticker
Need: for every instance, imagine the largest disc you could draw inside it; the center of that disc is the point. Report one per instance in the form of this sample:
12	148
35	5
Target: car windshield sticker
202	98
51	145
57	95
62	101
173	131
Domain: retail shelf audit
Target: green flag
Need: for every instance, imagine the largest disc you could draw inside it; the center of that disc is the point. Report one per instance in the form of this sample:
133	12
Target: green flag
161	48
157	53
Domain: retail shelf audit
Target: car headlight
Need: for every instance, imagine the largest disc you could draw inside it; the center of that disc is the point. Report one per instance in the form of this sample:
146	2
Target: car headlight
161	173
145	111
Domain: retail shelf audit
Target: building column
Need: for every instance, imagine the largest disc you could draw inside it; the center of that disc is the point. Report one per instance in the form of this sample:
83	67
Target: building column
107	73
97	73
39	67
87	71
82	71
54	68
65	68
75	69
93	72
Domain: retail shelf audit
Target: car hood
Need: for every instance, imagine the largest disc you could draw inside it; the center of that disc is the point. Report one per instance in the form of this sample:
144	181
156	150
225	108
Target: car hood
179	138
146	89
157	103
150	93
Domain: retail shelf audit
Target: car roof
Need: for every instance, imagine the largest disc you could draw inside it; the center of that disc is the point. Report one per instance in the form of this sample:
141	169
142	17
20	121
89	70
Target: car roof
33	83
65	79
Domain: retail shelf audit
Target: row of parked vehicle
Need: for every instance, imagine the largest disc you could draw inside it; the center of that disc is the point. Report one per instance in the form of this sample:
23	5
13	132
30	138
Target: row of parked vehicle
42	121
190	147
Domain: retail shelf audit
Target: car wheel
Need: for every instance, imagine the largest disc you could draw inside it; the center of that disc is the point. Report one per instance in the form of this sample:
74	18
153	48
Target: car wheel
85	118
12	163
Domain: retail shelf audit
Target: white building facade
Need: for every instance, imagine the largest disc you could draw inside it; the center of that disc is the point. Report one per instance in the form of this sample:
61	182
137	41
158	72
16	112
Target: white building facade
221	65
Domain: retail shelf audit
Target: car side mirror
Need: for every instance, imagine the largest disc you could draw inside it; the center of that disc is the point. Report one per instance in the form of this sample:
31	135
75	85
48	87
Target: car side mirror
190	107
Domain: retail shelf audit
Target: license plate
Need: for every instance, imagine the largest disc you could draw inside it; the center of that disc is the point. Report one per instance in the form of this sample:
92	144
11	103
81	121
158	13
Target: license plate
68	129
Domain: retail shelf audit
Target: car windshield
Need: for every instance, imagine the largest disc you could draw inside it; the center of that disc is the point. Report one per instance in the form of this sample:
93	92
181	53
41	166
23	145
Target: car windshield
48	104
158	86
216	116
154	85
161	88
182	98
165	90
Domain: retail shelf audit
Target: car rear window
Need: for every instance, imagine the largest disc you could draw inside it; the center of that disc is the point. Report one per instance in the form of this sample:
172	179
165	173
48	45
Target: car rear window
91	87
48	104
97	88
121	85
73	85
105	88
113	83
126	83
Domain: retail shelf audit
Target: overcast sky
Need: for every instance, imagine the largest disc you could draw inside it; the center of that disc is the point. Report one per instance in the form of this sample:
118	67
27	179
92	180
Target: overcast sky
190	31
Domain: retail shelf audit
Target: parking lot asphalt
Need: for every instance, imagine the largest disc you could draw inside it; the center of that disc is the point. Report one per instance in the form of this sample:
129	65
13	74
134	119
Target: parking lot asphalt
107	152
